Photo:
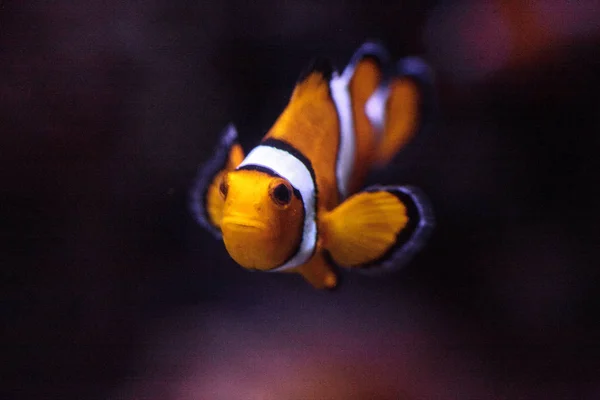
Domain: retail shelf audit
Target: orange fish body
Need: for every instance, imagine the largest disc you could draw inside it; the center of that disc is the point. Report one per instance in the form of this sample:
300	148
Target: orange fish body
292	204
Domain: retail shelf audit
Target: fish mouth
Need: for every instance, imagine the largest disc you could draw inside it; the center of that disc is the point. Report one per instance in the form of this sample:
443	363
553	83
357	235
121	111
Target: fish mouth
243	223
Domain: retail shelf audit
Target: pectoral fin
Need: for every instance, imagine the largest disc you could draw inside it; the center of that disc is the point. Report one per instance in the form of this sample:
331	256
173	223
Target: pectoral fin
382	226
207	203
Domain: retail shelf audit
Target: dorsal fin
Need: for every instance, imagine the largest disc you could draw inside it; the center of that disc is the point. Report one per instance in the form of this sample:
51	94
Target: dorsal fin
315	78
318	65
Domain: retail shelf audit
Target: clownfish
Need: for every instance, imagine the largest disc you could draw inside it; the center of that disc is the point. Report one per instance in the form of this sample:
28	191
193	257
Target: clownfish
293	204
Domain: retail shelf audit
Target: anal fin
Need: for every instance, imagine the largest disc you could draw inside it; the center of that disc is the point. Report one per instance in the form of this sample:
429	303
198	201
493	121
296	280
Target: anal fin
382	226
206	201
318	272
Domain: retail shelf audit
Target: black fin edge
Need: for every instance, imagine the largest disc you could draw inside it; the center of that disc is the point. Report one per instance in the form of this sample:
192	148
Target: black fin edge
321	65
411	239
416	68
376	51
206	174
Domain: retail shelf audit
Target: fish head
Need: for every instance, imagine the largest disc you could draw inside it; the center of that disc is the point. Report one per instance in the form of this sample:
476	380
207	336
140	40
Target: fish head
262	221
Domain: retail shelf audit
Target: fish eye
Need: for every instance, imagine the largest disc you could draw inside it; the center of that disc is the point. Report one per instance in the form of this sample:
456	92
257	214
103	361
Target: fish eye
281	194
223	187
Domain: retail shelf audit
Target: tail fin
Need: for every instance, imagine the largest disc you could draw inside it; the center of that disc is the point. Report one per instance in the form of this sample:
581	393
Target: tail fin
206	203
402	107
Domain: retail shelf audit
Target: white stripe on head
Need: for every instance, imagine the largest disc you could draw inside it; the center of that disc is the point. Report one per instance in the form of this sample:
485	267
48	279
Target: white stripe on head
340	94
289	167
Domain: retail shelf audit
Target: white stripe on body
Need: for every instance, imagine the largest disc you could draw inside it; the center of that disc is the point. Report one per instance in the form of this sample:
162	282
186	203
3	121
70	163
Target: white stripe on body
374	109
340	93
289	167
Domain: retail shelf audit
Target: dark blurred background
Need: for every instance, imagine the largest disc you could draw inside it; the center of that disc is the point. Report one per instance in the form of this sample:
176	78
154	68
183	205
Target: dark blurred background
109	290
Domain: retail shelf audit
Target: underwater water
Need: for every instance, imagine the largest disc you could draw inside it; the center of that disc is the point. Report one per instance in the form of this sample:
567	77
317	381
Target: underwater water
109	288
